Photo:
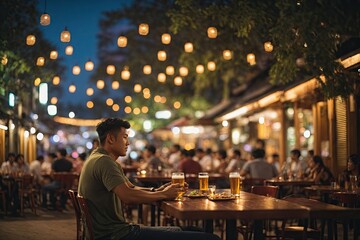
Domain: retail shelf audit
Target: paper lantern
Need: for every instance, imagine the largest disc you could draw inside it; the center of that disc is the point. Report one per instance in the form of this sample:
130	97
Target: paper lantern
268	47
110	69
161	77
56	80
178	81
100	84
122	41
137	88
40	61
188	47
212	32
89	65
30	40
211	66
65	36
76	70
54	55
227	54
45	19
170	70
200	68
69	50
125	74
166	38
184	71
147	69
161	55
143	29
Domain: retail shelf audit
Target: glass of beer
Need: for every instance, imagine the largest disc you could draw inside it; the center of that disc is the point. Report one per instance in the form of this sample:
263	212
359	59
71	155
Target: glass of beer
179	177
235	183
203	181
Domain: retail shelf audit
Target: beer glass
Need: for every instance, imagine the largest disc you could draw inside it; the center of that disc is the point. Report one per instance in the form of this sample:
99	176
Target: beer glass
235	183
203	181
179	177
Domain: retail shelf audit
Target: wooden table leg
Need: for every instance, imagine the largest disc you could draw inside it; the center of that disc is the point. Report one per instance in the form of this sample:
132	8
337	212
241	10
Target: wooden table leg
258	229
209	226
231	233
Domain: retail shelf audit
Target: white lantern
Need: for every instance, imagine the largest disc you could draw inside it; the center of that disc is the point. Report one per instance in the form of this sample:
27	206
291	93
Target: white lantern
188	47
122	41
184	71
147	69
178	81
53	55
65	36
125	74
161	55
227	54
89	65
30	40
161	77
212	32
170	70
76	70
69	50
211	66
40	61
166	38
110	69
45	19
143	29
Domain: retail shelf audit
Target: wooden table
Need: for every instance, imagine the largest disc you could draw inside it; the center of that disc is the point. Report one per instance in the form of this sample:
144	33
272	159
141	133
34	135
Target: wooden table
288	183
323	191
249	206
163	178
327	212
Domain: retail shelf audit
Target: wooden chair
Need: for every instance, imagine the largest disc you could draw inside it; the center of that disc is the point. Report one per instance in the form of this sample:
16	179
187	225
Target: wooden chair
75	203
350	200
66	182
247	183
27	189
3	198
86	218
246	228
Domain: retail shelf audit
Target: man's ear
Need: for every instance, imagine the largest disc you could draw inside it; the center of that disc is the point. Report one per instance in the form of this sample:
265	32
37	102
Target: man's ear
110	138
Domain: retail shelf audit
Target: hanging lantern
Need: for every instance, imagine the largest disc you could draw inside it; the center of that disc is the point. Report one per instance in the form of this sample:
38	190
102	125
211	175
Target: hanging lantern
166	38
200	68
128	99
143	29
54	100
144	109
53	55
4	60
56	80
40	61
227	54
109	102
89	65
89	104
110	69
115	85
178	81
72	88
212	32
137	88
45	19
211	66
161	77
170	70
100	84
65	36
188	47
115	107
69	50
37	82
184	71
268	47
30	40
250	58
161	55
177	105
76	70
147	69
125	74
122	41
127	109
89	91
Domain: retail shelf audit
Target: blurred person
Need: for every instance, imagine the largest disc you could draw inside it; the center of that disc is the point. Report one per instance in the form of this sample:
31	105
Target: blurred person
78	163
275	160
352	169
46	166
236	163
35	170
296	166
221	156
152	162
95	144
260	144
104	186
174	157
23	166
258	167
10	165
319	173
189	165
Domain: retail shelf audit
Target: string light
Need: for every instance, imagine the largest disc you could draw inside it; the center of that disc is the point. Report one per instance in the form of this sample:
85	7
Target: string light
227	54
166	38
143	29
212	32
188	47
122	41
30	40
65	35
147	69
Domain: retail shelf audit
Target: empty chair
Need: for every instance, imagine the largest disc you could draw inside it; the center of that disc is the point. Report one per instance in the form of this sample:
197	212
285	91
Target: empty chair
66	182
75	203
269	191
247	183
86	218
27	190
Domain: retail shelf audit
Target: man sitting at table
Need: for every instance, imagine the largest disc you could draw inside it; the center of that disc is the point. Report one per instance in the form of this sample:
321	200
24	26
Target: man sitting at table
104	186
258	167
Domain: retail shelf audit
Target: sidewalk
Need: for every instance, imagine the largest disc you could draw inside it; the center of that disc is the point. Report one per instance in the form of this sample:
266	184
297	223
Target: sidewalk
44	225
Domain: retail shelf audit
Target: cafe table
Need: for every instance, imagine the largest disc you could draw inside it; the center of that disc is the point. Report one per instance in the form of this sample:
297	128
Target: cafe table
328	213
248	207
289	183
322	191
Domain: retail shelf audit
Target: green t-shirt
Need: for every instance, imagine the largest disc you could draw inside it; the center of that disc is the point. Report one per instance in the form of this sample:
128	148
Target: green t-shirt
99	176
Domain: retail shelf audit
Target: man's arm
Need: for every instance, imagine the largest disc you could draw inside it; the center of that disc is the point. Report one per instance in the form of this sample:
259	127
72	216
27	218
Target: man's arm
131	194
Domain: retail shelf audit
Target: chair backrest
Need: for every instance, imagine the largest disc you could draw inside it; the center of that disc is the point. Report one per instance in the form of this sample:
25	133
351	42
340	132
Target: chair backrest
75	203
269	191
66	179
26	182
346	199
247	183
86	217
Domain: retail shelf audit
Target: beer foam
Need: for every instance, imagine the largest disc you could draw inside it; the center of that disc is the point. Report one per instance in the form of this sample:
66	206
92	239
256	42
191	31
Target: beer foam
178	177
203	176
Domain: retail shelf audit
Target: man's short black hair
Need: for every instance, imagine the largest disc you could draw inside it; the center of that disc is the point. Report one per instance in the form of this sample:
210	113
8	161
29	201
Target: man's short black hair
296	152
258	153
151	148
110	125
62	152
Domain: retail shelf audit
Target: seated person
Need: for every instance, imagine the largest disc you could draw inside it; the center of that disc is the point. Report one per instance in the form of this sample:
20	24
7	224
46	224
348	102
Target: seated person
319	172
